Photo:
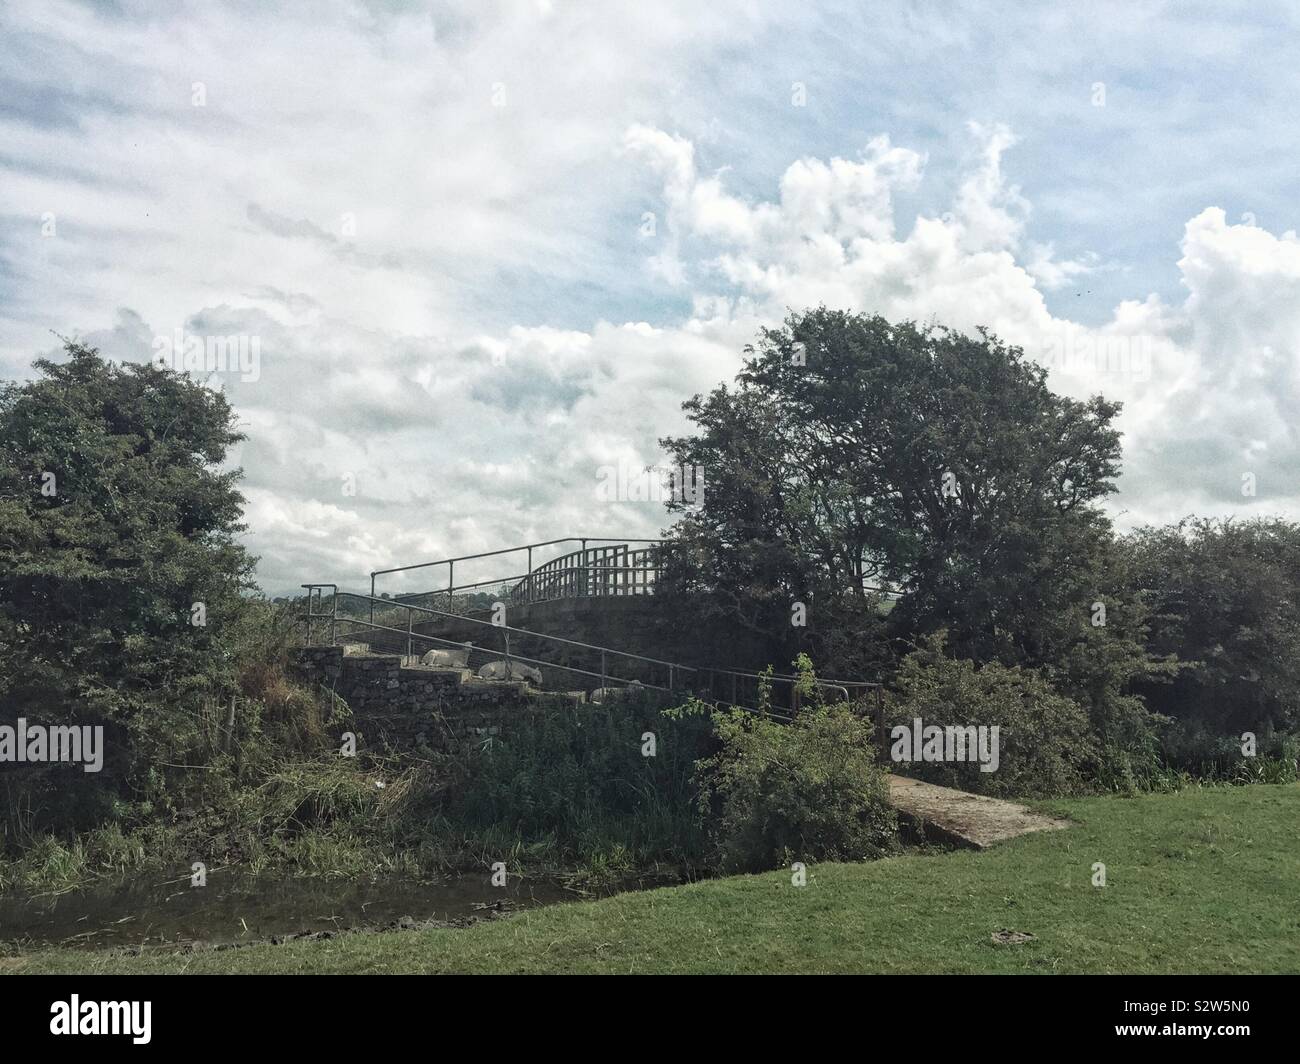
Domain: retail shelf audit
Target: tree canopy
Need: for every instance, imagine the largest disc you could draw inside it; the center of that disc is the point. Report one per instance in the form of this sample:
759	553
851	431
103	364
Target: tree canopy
120	576
854	454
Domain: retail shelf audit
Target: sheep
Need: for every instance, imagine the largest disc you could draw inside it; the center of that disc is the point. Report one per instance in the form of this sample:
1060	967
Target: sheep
455	659
513	670
601	694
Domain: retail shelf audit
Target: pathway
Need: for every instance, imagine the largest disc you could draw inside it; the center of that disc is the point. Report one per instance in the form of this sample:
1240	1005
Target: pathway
965	819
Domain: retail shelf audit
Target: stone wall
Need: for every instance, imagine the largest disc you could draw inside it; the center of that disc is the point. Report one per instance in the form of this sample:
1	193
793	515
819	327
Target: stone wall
406	707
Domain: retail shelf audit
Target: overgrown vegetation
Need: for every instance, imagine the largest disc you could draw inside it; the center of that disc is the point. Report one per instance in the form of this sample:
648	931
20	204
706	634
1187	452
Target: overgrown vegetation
1046	747
811	790
936	465
1225	601
121	583
608	789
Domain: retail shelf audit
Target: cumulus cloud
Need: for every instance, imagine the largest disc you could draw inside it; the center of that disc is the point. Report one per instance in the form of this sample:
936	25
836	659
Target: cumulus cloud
1211	384
487	252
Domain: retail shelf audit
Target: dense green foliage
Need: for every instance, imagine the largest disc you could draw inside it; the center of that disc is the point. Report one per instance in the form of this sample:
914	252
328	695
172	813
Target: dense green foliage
117	532
853	454
808	791
1045	746
719	791
608	785
938	464
124	603
1225	598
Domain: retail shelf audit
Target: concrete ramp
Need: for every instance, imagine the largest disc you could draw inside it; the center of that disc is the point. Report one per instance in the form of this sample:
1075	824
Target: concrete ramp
964	819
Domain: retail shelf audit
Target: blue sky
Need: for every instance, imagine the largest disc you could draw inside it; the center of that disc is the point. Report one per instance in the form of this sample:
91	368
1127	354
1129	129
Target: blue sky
433	220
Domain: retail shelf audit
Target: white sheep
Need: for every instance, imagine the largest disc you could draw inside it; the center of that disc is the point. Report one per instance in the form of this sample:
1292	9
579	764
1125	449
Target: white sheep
455	659
513	670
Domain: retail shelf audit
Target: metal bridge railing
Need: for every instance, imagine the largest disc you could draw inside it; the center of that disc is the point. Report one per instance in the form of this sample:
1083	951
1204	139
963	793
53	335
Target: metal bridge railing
735	687
591	571
614	567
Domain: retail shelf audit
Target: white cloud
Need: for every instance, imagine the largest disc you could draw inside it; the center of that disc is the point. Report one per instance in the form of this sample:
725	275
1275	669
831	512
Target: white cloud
457	305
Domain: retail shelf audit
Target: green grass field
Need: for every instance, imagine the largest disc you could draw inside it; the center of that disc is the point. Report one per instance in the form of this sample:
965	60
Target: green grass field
1197	881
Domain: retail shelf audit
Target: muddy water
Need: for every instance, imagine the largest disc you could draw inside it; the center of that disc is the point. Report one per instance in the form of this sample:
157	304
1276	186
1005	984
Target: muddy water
242	909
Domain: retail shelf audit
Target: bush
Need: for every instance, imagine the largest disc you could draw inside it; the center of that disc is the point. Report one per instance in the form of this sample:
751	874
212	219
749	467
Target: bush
810	790
1225	599
1212	757
1044	741
575	781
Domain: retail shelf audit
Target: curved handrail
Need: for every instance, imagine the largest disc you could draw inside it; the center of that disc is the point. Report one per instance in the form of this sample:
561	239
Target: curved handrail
591	571
674	670
512	550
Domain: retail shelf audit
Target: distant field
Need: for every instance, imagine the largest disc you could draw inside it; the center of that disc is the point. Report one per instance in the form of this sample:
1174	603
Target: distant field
1199	881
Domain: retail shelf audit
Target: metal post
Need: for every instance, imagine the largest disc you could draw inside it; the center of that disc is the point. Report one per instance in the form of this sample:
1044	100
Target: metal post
372	598
602	674
584	567
309	614
451	582
410	617
334	620
529	596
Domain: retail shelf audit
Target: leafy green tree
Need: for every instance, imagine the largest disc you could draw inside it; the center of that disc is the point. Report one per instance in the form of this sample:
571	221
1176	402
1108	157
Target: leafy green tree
1225	599
120	576
854	454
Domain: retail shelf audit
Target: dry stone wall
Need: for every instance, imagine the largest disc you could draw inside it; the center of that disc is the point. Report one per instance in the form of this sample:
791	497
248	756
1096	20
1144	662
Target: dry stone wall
403	706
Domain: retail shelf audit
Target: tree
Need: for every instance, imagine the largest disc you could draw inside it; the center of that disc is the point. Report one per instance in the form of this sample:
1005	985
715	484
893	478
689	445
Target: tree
854	454
120	577
1225	599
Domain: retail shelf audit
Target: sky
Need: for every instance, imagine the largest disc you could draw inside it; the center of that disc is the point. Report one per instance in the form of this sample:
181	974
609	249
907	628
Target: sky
478	253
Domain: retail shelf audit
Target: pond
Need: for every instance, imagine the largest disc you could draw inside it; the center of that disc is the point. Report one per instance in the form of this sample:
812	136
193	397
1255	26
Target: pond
241	908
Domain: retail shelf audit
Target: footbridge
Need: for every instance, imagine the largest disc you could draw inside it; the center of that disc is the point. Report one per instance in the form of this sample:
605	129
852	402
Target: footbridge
579	610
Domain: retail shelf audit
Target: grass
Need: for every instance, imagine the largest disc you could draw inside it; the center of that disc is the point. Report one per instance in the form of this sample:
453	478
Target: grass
1196	881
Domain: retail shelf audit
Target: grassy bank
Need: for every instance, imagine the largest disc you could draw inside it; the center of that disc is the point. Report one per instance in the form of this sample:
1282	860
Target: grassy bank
1197	881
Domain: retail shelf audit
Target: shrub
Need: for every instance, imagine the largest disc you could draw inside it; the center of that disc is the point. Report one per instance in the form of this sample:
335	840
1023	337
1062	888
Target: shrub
810	790
1044	741
1210	756
576	780
1225	599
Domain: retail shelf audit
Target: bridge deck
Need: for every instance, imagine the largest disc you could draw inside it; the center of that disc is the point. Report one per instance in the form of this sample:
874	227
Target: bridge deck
965	819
